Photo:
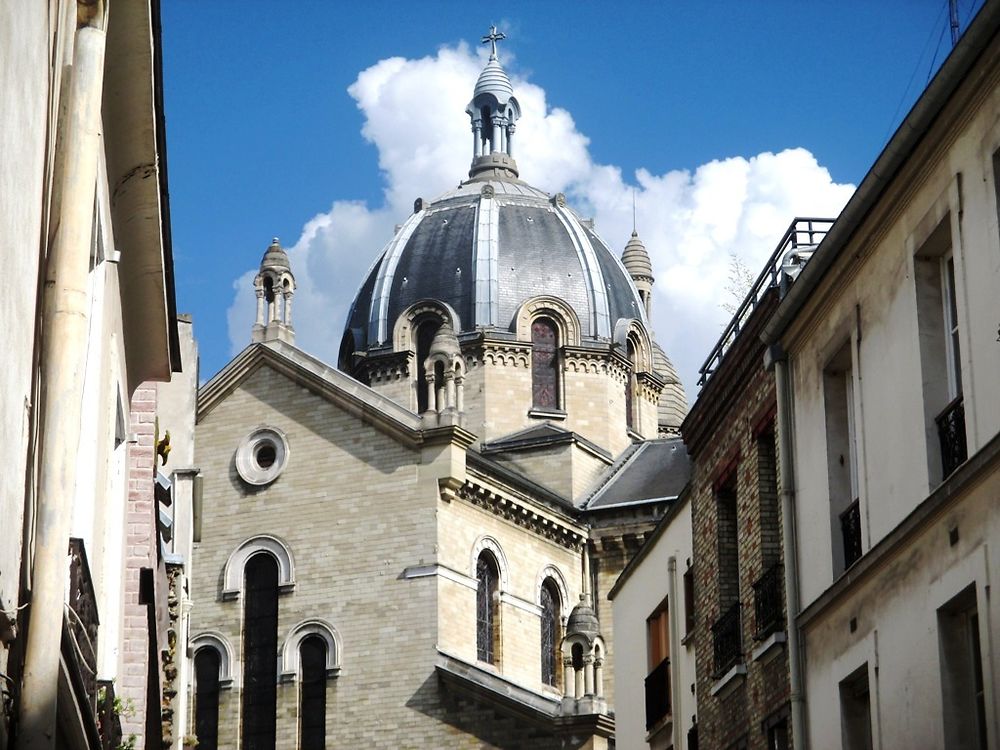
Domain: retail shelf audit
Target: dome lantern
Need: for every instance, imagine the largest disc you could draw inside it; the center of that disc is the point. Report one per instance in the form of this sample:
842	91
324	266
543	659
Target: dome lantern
493	111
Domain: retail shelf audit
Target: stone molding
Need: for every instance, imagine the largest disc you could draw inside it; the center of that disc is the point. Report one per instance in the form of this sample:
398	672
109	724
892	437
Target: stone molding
519	513
232	576
290	668
228	664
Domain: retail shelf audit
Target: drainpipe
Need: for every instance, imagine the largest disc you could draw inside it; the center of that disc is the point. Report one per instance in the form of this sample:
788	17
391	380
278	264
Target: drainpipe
675	665
787	473
63	363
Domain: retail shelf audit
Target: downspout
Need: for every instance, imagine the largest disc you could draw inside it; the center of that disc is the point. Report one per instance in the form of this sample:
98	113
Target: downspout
787	473
675	666
62	366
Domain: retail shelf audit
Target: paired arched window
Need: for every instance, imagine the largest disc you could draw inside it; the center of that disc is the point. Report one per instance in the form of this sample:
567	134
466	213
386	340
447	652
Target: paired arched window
487	608
551	636
544	364
312	696
207	666
426	330
260	652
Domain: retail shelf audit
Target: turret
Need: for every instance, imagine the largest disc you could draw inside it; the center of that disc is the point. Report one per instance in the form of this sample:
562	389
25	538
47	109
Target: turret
274	285
494	111
637	263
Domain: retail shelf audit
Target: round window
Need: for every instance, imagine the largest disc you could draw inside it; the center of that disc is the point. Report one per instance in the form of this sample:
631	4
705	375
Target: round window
262	456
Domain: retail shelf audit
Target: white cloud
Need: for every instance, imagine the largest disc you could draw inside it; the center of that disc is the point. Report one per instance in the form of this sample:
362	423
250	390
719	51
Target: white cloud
690	221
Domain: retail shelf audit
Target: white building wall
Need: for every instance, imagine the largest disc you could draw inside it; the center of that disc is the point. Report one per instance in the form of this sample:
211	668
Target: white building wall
647	586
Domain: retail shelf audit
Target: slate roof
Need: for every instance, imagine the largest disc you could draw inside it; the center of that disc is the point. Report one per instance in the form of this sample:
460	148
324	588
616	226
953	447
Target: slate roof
651	470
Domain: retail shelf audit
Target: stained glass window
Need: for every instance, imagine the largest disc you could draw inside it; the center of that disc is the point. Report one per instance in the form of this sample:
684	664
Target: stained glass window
544	364
487	577
312	716
206	701
260	653
550	633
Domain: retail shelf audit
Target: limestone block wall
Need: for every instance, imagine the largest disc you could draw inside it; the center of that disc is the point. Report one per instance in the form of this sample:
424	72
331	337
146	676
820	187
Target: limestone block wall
526	559
348	508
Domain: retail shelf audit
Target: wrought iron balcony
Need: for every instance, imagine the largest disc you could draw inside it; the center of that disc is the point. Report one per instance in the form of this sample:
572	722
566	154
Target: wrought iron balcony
768	603
951	433
727	641
850	528
657	694
82	621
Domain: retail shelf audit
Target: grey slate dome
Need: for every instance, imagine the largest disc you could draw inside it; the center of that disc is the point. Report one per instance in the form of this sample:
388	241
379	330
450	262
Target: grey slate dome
490	245
484	249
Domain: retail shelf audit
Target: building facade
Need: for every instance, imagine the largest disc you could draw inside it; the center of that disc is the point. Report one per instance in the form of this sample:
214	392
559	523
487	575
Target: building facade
885	354
91	327
414	550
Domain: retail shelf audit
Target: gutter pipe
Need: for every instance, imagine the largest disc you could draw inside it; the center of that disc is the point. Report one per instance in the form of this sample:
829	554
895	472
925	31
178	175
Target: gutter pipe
675	667
63	365
796	655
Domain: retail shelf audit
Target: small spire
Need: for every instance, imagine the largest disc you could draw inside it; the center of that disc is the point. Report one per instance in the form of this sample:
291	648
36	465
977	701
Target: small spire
633	213
492	38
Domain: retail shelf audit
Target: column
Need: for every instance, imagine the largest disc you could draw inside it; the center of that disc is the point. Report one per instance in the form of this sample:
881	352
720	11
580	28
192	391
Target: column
260	305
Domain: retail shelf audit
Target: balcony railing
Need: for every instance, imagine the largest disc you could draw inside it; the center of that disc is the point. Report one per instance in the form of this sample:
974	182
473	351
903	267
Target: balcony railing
658	694
850	529
726	640
951	433
82	620
768	603
803	235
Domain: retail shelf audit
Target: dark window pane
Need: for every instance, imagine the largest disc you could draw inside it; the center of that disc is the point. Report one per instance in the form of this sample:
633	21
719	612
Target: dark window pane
260	653
544	373
206	702
550	633
630	386
312	716
487	576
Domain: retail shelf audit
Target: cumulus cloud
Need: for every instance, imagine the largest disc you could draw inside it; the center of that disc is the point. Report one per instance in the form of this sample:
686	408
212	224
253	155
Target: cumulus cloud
690	221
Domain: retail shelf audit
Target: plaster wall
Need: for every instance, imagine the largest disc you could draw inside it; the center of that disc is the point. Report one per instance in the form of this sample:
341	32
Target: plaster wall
647	587
895	611
874	307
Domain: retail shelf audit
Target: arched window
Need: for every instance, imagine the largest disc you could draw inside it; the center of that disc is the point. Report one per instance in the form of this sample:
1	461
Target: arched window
551	621
426	330
312	710
544	364
207	664
487	600
630	385
260	652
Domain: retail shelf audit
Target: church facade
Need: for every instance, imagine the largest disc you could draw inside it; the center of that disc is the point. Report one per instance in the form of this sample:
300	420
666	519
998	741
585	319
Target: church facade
414	548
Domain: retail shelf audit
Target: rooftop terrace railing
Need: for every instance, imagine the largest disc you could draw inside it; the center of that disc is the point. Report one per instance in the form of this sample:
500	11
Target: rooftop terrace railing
802	233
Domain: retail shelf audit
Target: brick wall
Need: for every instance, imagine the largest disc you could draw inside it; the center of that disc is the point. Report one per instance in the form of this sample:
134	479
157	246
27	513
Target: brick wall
140	552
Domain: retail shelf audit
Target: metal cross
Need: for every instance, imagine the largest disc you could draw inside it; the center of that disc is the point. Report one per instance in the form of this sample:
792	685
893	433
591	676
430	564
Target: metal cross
492	38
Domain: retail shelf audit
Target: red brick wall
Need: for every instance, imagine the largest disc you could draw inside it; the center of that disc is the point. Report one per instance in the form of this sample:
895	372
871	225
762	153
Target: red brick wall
140	552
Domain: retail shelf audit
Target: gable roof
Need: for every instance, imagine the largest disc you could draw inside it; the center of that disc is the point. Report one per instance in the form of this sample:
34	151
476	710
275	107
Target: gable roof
328	383
542	436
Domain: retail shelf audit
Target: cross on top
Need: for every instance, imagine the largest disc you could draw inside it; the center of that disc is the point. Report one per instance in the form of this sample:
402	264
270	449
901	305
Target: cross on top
492	38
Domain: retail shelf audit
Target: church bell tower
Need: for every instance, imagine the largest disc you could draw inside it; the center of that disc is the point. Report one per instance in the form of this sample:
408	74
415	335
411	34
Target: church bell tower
274	285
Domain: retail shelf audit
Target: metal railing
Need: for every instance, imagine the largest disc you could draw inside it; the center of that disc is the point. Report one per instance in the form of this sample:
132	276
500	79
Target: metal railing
768	603
850	529
82	621
727	642
801	233
658	694
109	723
951	433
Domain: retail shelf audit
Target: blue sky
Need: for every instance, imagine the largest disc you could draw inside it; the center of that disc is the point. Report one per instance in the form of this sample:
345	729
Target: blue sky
265	139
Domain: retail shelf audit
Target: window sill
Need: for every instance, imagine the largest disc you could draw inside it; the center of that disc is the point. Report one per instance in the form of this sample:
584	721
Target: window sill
547	414
770	647
727	684
663	726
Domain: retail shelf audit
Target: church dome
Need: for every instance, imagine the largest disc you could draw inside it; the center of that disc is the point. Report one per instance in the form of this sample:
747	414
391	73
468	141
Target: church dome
484	249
